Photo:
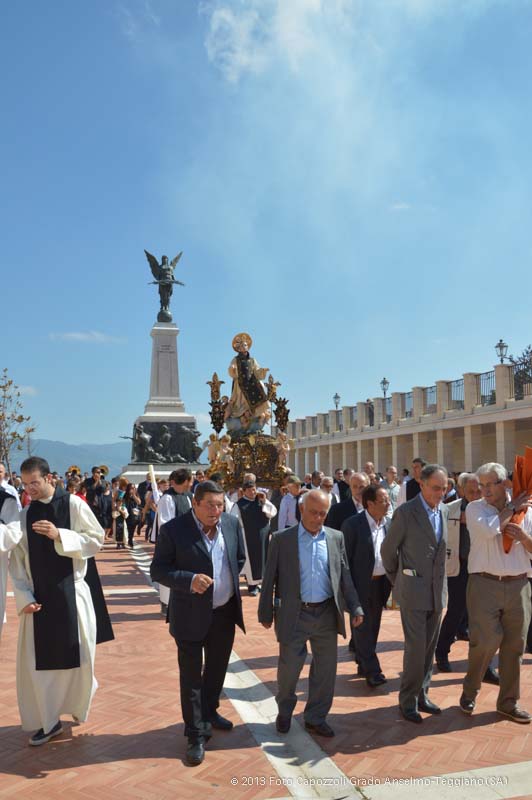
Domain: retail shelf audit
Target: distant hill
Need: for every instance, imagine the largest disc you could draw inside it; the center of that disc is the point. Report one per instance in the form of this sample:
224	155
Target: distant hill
60	455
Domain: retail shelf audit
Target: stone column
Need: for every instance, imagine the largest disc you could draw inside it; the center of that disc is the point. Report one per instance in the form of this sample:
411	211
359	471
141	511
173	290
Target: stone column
505	438
472	446
444	448
344	454
418	402
504	389
471	398
398	406
346	411
379	410
377	449
419	442
362	414
442	397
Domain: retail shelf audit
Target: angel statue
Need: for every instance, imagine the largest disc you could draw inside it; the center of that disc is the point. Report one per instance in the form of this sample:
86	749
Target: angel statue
164	278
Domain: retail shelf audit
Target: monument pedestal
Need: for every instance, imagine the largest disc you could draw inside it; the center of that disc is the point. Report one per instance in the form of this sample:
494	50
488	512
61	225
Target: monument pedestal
165	435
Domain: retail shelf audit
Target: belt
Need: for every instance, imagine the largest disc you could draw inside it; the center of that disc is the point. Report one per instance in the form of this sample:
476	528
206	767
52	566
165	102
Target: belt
316	605
377	577
502	577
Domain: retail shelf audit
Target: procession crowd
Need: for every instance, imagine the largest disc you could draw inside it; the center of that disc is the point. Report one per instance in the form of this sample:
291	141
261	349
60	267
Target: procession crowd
309	550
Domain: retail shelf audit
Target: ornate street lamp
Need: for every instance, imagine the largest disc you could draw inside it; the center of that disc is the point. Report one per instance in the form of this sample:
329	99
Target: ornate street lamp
384	386
501	348
336	400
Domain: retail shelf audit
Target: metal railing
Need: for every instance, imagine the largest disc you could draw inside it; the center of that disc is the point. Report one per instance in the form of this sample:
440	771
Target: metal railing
486	388
430	400
388	408
314	428
521	380
371	415
409	404
456	394
353	416
303	427
326	427
339	420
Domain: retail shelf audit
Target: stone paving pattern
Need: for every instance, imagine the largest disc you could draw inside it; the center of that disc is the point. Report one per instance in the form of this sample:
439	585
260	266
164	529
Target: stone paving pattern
133	744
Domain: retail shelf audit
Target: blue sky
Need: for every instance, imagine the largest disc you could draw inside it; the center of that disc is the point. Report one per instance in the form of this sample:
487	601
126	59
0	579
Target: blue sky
349	181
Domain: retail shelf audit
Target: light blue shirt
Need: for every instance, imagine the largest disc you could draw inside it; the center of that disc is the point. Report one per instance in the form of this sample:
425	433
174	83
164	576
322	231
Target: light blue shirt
434	515
313	566
223	588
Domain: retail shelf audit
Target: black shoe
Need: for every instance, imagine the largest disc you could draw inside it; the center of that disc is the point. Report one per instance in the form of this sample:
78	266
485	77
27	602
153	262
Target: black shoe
412	716
41	737
429	707
491	676
321	729
220	723
467	706
253	591
517	715
360	672
283	723
443	665
195	752
375	680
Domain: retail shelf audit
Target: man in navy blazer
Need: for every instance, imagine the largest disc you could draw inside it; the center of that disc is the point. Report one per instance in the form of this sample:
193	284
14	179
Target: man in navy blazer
199	556
366	532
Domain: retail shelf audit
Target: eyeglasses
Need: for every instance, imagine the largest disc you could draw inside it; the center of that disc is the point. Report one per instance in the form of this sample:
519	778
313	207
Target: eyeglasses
488	486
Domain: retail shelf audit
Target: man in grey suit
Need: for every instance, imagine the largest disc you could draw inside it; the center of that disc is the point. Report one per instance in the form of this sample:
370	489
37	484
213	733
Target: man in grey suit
305	589
414	554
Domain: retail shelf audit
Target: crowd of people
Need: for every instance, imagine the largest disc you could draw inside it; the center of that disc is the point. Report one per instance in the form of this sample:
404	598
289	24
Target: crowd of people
308	550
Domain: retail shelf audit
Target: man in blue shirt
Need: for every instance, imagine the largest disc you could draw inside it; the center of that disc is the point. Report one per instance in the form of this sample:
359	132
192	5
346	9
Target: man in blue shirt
305	589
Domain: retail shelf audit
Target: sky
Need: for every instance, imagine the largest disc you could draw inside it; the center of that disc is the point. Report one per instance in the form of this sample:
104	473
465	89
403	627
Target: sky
349	182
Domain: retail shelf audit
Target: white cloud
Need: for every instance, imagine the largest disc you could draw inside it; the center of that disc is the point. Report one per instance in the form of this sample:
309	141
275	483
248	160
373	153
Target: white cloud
135	17
29	391
248	36
92	337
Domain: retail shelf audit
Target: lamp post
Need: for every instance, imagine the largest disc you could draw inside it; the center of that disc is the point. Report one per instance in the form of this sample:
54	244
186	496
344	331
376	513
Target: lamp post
501	348
384	386
336	400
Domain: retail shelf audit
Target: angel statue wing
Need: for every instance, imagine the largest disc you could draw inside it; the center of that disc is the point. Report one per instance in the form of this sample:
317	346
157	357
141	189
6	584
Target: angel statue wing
176	259
154	265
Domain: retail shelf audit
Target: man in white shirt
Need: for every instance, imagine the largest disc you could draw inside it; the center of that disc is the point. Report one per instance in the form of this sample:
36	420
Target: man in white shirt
498	591
175	501
366	532
7	486
10	535
392	487
289	510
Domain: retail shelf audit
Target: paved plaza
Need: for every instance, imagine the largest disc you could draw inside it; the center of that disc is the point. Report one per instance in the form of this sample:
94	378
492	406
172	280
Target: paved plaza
133	744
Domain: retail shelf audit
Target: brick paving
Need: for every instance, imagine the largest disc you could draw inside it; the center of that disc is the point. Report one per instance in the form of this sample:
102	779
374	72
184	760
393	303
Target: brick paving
133	744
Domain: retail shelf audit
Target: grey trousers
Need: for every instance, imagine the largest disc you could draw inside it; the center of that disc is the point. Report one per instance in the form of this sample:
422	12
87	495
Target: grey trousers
421	630
499	616
317	626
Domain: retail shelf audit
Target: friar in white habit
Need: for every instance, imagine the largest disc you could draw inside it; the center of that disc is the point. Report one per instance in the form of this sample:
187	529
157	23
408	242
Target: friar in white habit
60	602
10	534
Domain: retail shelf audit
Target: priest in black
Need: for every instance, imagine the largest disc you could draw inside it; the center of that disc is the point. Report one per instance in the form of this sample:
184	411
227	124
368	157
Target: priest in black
254	512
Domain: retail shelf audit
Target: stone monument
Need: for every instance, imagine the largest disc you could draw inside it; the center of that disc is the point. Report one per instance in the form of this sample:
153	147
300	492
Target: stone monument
165	435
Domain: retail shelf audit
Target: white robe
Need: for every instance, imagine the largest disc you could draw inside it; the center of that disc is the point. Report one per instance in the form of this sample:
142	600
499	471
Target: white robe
270	511
10	535
44	695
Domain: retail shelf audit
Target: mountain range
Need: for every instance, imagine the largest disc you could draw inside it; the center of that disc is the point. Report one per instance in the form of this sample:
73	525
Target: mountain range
61	455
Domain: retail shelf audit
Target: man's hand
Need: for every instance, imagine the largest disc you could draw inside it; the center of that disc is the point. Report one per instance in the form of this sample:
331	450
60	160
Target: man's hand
522	502
516	532
357	620
31	608
200	583
46	528
266	624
